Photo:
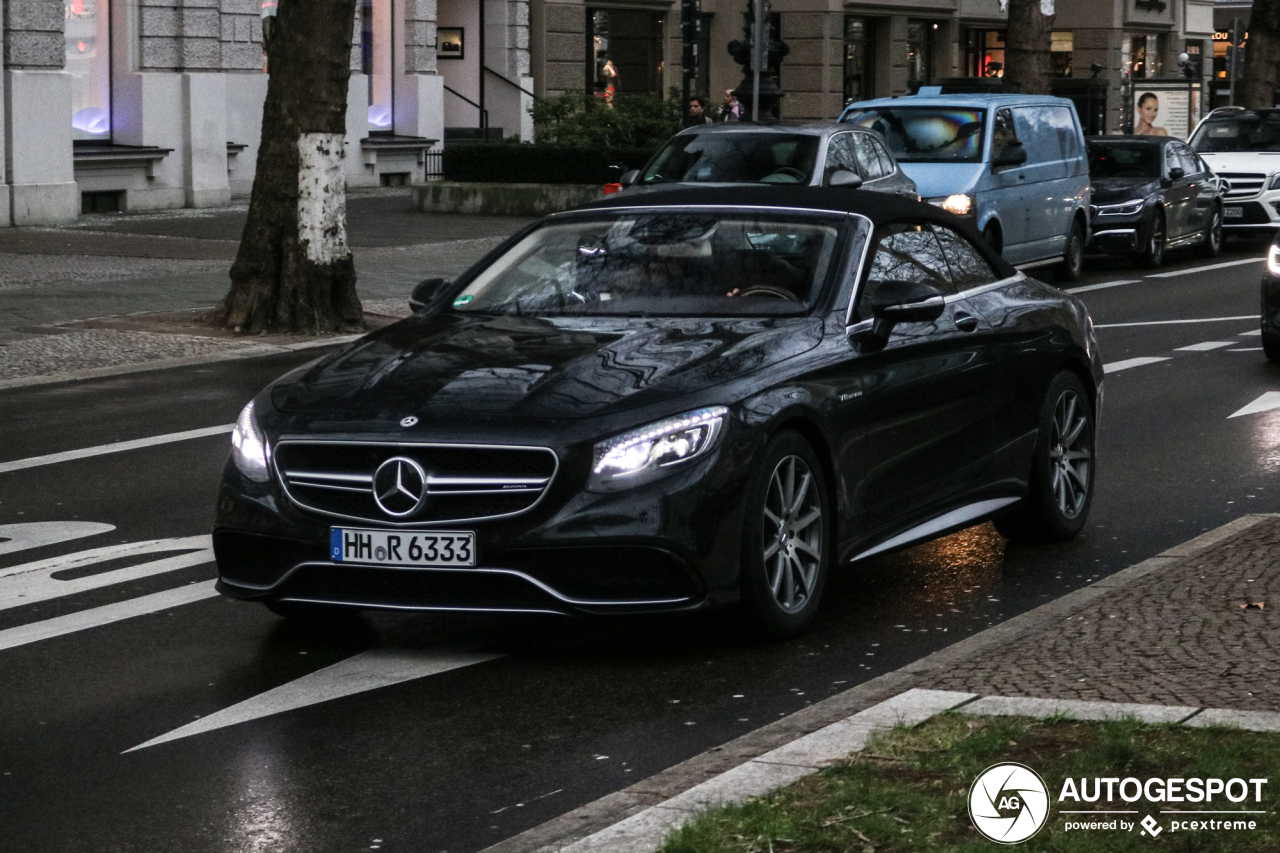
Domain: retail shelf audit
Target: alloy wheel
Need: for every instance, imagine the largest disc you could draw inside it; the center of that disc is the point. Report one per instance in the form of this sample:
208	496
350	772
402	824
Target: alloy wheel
1155	242
1070	456
793	531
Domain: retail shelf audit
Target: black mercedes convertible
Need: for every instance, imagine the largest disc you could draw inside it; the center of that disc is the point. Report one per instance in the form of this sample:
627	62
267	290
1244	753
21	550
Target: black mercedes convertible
673	401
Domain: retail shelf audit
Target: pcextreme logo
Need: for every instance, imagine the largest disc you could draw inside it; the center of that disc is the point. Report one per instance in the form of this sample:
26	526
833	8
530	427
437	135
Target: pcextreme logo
1009	802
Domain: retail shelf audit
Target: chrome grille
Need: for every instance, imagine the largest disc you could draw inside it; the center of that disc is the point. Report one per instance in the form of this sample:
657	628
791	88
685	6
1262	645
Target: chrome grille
1243	184
464	482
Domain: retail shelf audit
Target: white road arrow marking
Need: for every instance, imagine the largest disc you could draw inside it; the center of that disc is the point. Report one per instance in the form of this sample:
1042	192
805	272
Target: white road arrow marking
1132	362
22	537
105	615
33	582
1206	346
366	671
1265	403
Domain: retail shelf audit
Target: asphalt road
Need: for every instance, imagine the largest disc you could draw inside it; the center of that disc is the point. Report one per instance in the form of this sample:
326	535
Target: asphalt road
270	736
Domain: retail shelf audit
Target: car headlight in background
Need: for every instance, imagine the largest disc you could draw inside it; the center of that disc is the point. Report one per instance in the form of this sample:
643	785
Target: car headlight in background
646	454
1124	208
961	204
1273	260
249	447
1275	182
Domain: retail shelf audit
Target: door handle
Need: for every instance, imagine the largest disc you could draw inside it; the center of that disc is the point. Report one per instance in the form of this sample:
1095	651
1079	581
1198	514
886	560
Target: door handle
966	322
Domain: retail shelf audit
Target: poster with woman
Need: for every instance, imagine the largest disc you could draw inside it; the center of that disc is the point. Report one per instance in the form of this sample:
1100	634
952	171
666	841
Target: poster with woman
1165	110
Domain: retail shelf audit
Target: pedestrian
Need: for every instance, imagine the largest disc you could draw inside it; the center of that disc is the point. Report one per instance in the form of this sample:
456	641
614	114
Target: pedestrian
697	113
730	110
610	74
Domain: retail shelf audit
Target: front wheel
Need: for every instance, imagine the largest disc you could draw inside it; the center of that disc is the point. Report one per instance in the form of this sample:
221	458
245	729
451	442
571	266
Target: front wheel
1073	255
1153	252
1062	468
1212	245
786	537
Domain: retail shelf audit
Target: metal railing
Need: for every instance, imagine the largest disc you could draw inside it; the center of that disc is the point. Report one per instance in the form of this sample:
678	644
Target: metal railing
511	83
484	114
434	166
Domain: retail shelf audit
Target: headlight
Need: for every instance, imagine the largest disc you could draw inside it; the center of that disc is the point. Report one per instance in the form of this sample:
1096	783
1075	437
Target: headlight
249	447
1275	182
1124	208
647	453
961	204
1273	260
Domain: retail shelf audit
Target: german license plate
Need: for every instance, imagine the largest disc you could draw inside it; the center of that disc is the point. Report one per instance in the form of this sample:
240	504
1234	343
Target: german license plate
402	547
1233	213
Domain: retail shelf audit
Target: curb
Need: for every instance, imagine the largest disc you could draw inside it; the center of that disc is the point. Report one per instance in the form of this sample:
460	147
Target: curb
613	810
250	351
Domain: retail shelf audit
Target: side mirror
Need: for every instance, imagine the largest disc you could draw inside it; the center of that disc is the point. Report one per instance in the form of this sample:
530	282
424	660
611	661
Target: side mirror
629	178
1013	154
425	292
844	178
1177	173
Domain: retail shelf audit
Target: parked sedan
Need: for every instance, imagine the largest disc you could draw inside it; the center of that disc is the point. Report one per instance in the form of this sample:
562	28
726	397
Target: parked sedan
670	401
809	155
1150	194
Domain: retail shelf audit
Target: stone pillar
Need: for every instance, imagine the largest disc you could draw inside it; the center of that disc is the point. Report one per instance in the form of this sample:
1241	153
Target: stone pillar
419	91
40	186
205	161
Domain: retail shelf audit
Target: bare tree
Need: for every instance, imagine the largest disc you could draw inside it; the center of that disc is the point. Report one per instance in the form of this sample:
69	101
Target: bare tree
1256	88
293	271
1028	43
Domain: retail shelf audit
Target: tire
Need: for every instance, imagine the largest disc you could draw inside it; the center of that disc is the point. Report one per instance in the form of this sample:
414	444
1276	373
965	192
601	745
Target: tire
1062	472
1271	347
1153	252
992	235
786	549
305	612
1073	255
1212	245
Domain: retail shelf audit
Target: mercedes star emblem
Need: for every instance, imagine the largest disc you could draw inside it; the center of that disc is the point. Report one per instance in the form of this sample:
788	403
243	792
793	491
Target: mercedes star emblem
408	422
399	486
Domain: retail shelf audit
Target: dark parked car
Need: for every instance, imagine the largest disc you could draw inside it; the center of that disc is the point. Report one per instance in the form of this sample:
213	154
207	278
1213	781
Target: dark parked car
1271	303
810	155
670	401
1150	194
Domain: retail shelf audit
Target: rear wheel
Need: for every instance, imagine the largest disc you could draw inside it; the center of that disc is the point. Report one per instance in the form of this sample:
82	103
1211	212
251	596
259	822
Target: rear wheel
1212	245
1073	255
787	530
1062	468
1153	252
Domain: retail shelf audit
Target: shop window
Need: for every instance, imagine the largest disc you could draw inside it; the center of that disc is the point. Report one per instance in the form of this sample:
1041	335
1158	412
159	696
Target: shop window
627	52
88	45
1146	56
984	53
921	36
1060	54
377	46
859	59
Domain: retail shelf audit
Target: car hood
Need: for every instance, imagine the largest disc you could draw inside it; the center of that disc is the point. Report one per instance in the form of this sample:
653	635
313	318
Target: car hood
940	179
567	367
1111	190
1255	162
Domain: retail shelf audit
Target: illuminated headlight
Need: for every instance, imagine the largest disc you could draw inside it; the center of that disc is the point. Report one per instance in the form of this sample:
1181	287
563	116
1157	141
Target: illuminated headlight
648	453
1124	208
249	447
961	204
1273	260
1275	182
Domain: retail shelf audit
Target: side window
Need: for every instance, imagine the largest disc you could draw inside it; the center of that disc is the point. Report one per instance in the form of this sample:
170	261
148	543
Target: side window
1037	134
905	252
1188	160
841	155
1064	125
886	159
1170	158
968	268
868	157
1003	133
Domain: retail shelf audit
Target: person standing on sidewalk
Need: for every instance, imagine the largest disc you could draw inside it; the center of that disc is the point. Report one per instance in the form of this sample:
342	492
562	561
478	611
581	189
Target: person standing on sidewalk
697	113
730	110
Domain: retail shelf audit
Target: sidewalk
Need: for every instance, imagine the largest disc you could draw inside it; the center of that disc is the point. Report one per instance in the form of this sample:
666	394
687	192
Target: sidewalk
122	264
1177	637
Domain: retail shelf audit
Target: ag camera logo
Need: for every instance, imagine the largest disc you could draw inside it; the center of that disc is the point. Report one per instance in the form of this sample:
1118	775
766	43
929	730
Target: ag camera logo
1009	802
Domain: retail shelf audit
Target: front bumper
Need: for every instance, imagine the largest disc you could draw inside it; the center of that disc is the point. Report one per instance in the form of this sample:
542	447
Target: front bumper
1257	215
1120	235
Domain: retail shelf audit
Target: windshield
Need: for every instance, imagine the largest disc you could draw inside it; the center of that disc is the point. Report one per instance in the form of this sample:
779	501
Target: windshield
751	158
1124	161
926	134
1239	133
673	264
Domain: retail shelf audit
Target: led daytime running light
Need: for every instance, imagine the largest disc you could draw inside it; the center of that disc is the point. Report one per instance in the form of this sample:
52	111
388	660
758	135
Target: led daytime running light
1273	260
249	447
610	454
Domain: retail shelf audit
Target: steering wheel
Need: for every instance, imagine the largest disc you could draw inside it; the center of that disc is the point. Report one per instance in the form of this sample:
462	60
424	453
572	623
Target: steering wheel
769	290
790	172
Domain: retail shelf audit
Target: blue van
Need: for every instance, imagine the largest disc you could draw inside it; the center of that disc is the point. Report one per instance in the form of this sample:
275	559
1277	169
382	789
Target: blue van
1015	166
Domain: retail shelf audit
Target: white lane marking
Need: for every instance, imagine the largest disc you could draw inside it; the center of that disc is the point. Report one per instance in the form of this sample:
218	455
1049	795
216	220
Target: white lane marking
116	447
1205	346
1174	322
1246	349
1257	332
33	582
37	534
365	671
1265	403
1103	286
105	615
1132	362
1194	270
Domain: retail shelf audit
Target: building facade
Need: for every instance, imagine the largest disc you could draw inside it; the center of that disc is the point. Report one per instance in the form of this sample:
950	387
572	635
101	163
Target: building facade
152	104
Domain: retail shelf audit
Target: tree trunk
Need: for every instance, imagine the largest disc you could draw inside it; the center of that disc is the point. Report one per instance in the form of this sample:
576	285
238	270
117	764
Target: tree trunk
1028	42
1256	88
293	271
